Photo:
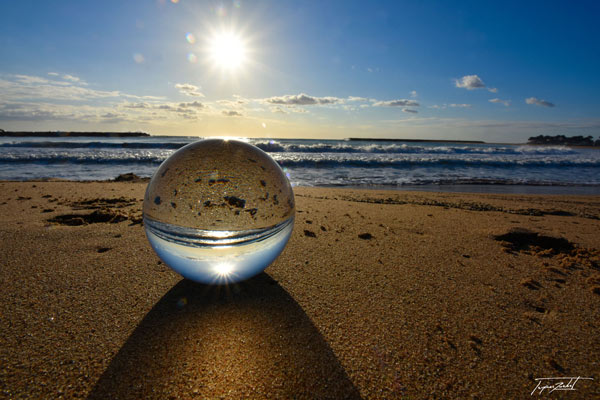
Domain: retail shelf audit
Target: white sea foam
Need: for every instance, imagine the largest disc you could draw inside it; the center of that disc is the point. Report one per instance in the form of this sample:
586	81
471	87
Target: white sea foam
316	162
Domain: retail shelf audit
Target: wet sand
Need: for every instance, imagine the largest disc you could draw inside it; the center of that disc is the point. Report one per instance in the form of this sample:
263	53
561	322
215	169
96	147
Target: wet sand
379	294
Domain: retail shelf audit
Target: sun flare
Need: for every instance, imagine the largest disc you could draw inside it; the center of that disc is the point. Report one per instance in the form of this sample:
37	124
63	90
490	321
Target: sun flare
223	269
227	51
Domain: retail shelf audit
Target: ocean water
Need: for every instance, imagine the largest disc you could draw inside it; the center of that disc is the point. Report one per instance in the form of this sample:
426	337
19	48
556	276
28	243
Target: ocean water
369	164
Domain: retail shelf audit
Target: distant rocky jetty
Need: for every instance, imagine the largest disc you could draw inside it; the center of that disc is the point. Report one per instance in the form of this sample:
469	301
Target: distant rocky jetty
72	134
564	140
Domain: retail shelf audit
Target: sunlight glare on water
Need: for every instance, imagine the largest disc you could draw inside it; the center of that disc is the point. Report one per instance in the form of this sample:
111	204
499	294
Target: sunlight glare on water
219	211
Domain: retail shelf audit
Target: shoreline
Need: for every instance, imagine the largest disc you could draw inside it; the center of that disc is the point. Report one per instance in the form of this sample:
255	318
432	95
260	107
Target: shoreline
472	188
379	294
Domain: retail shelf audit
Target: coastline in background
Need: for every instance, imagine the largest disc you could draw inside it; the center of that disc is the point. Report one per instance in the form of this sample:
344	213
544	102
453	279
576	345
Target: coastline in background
445	166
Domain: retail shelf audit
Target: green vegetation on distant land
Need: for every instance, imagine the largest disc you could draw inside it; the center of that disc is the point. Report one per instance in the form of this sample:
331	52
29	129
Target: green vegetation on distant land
564	140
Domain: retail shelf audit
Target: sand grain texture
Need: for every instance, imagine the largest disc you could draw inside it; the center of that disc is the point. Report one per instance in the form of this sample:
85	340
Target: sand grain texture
378	295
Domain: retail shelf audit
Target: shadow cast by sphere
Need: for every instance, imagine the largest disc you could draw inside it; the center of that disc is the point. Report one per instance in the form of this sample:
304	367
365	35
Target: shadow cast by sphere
248	340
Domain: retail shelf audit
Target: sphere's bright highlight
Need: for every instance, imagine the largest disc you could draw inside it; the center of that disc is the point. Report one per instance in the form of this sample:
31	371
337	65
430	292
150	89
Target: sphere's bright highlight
219	211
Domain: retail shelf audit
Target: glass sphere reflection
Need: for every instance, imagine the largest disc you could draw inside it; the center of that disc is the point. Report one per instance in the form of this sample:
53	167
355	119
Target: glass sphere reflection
218	211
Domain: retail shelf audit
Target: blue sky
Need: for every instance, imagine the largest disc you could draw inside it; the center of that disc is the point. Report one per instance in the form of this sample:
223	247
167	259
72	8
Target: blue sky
493	71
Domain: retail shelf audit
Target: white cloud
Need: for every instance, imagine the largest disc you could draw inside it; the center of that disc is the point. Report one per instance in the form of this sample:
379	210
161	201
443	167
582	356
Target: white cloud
278	110
189	89
32	112
538	102
113	117
25	87
453	105
232	103
38	99
40	89
53	73
137	105
355	98
499	101
240	99
297	110
40	112
232	113
396	103
192	104
469	82
30	80
413	94
302	99
493	90
409	110
73	79
593	123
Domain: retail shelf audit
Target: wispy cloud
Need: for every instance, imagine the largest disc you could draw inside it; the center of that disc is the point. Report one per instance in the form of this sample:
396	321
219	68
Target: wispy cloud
73	79
452	105
410	110
500	124
189	90
462	105
413	94
396	103
240	99
29	80
26	87
538	102
32	112
113	117
36	88
232	103
278	110
500	101
60	97
40	112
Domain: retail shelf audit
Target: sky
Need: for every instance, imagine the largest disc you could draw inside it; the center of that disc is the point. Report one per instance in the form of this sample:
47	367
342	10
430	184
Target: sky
468	70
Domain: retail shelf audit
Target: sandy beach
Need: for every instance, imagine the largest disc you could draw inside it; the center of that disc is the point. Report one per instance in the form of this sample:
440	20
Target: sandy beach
378	295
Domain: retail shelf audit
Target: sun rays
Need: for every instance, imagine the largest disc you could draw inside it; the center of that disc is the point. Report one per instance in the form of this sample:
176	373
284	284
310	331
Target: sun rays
227	51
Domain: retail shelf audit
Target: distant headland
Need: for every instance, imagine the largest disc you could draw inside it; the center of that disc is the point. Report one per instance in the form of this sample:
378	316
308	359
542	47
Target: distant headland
72	134
564	140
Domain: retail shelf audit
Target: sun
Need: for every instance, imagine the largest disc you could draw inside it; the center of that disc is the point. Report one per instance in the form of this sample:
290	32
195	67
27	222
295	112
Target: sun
227	51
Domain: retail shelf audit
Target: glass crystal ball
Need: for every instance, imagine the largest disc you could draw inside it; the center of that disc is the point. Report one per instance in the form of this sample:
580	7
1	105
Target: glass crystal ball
218	211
